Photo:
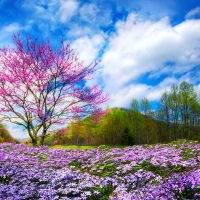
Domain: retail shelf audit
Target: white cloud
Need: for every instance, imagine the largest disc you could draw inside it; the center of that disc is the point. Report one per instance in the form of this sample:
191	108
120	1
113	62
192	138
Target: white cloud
193	13
143	47
6	33
77	31
88	12
150	47
68	9
11	28
156	92
123	96
88	48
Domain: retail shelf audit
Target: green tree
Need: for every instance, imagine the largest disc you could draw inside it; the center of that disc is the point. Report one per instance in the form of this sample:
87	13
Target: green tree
136	120
145	107
188	102
179	108
175	109
164	111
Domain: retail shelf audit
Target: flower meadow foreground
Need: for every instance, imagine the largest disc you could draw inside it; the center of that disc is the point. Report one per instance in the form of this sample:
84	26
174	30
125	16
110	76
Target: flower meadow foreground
138	172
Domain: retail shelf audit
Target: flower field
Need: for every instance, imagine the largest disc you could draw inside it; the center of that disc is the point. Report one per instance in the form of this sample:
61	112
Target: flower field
138	172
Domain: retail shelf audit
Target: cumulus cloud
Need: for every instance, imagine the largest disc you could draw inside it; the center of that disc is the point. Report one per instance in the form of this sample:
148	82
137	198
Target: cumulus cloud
124	95
148	47
68	9
88	48
141	47
194	13
13	27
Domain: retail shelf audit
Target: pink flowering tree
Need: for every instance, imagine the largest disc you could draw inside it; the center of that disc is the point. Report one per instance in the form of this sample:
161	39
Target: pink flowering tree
41	86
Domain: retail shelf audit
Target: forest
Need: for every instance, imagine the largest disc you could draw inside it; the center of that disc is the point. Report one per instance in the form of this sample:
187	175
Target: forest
177	117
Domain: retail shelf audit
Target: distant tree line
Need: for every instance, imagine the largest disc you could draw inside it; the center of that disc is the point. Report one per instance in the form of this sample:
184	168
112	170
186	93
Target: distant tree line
177	117
179	108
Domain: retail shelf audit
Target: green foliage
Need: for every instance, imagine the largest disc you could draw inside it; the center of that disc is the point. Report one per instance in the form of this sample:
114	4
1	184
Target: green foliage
180	109
187	193
5	179
104	170
43	157
127	137
147	166
75	163
49	140
104	192
187	154
145	106
178	142
73	147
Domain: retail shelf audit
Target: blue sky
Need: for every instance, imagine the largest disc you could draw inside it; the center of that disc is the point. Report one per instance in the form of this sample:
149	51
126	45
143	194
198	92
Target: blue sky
144	45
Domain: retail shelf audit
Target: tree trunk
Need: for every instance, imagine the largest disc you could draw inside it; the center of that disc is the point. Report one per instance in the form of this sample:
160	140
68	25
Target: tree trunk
147	134
34	141
44	133
33	138
42	140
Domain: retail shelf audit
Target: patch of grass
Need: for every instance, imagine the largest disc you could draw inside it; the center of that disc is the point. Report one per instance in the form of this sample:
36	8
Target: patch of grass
73	147
187	154
43	158
86	147
103	192
76	164
104	170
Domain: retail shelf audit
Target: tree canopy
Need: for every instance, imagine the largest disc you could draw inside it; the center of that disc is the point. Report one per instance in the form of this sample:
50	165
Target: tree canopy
41	86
